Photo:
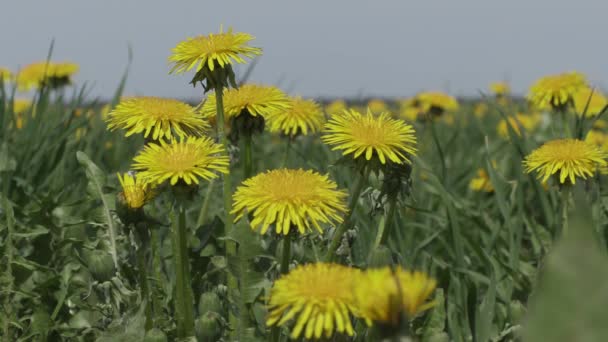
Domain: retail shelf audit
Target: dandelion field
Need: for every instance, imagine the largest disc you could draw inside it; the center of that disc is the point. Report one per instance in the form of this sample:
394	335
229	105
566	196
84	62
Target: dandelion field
254	215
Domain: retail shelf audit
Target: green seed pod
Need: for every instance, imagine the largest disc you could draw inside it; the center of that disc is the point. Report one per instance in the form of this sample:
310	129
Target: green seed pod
381	256
100	264
155	335
209	301
208	327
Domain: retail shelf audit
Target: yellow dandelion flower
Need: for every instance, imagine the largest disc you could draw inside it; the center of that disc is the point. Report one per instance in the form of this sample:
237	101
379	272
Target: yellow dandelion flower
556	91
335	107
214	50
435	101
5	75
302	117
517	122
135	193
600	124
384	295
481	182
589	101
571	157
379	136
20	106
377	106
252	99
286	198
158	117
597	138
318	296
480	110
500	89
186	159
45	73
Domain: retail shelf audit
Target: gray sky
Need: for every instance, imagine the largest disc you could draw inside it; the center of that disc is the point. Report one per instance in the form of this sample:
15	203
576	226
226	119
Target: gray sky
319	48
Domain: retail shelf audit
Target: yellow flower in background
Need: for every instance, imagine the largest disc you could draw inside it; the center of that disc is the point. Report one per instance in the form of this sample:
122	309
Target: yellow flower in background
481	182
517	122
379	136
45	74
336	107
556	91
289	198
572	158
318	297
589	101
302	117
5	75
408	109
435	101
500	89
156	117
597	138
253	99
20	106
377	106
480	110
188	159
600	124
384	295
135	193
212	51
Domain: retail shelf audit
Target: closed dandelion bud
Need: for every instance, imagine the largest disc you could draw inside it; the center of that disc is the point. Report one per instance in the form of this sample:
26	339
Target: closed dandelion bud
517	310
155	335
208	327
381	256
209	301
100	264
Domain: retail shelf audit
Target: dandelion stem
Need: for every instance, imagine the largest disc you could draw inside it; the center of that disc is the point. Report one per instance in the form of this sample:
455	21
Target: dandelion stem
231	280
184	301
286	153
248	162
155	249
286	254
565	192
385	225
143	280
337	238
8	210
202	215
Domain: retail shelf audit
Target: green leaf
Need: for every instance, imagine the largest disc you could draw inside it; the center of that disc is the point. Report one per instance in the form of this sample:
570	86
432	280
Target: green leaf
571	301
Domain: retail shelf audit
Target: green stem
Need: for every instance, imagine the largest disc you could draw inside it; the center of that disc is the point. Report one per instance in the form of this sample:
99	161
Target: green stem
286	254
286	153
337	238
202	215
143	280
155	249
565	192
385	225
184	302
231	280
248	162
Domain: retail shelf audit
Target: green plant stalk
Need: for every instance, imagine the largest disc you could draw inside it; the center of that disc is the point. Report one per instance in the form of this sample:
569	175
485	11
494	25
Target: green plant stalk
385	224
143	280
184	302
155	249
248	162
202	215
286	153
286	254
337	238
565	194
231	280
